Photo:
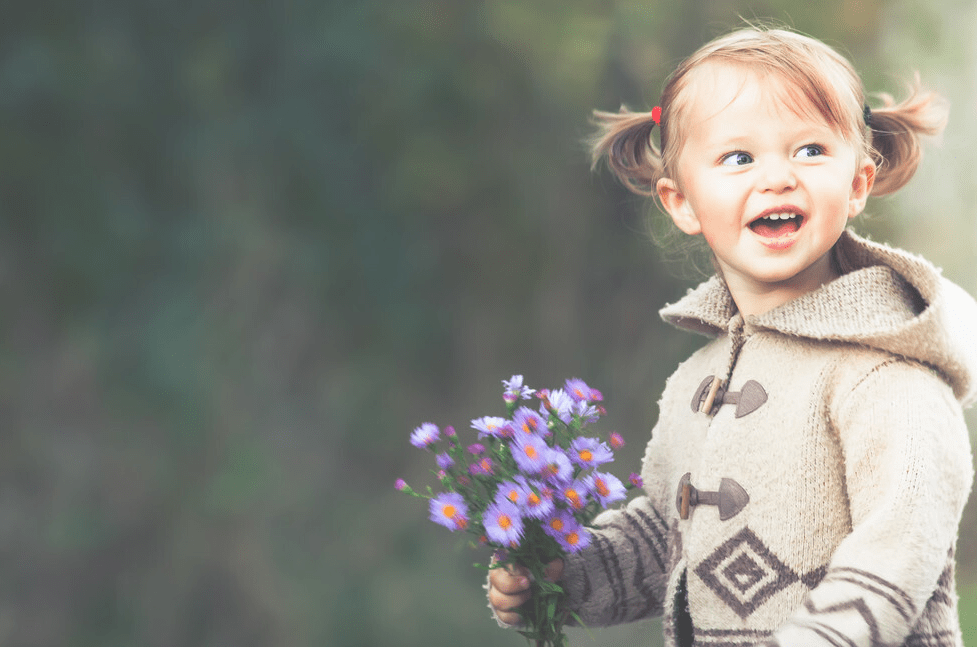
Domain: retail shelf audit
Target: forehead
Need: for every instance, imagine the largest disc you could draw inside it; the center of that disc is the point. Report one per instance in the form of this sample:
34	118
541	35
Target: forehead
714	86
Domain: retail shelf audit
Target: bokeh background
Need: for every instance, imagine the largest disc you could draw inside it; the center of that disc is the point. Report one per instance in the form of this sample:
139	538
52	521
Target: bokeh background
245	247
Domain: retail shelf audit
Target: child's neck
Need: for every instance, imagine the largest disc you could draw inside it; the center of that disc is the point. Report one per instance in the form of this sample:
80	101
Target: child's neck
755	298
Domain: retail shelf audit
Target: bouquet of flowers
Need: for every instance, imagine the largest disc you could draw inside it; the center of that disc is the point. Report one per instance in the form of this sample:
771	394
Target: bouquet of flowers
528	487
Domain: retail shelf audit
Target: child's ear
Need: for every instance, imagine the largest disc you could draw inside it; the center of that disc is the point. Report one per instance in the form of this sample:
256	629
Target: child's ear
677	206
861	187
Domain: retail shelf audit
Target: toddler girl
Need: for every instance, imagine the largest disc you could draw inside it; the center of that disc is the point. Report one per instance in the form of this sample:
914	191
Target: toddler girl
806	477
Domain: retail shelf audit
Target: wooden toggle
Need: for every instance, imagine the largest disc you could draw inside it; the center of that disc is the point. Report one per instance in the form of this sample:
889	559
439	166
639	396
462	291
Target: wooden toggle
711	394
730	498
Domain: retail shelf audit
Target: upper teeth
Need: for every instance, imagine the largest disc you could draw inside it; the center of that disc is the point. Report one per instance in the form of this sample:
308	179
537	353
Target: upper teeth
781	216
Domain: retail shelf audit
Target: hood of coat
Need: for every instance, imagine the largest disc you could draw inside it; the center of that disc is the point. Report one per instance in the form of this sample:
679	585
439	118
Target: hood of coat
886	298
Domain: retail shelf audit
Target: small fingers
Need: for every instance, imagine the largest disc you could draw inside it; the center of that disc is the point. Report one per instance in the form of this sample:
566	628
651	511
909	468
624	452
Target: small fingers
509	579
508	590
506	606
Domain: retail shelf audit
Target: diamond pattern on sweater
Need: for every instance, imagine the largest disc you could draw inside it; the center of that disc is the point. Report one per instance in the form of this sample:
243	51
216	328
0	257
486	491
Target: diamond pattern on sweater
744	573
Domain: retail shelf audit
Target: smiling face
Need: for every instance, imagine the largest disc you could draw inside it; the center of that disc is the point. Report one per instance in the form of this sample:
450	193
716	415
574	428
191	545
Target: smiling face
770	188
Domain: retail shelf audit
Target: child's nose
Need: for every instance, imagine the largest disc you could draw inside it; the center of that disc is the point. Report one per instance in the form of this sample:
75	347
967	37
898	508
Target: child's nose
778	176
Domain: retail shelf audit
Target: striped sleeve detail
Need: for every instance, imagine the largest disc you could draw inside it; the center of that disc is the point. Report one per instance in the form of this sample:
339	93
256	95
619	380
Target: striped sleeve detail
935	639
646	534
896	597
653	536
854	607
622	575
614	575
731	637
655	532
831	633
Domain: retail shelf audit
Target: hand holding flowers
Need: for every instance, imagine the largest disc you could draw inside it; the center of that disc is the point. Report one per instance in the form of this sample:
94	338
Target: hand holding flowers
528	488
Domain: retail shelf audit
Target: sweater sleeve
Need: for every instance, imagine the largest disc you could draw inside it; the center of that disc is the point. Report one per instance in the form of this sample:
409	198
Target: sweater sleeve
908	473
622	575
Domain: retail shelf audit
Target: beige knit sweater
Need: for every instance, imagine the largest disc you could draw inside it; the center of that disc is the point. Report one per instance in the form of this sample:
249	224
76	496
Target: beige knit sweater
817	502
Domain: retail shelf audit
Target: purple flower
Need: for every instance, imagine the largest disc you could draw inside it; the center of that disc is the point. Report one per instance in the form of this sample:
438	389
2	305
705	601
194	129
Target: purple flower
512	491
616	440
489	426
538	502
586	411
514	390
557	467
590	452
561	404
444	460
449	510
526	421
607	488
578	390
574	537
557	523
503	524
575	494
636	480
483	467
476	449
425	435
530	453
401	485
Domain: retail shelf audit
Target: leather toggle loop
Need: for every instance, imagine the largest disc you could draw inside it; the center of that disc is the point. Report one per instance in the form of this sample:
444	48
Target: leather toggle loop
711	394
730	499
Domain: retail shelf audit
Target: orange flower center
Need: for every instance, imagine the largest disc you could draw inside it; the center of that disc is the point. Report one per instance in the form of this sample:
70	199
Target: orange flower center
533	499
586	455
448	511
504	521
574	498
573	538
513	496
531	451
556	524
601	487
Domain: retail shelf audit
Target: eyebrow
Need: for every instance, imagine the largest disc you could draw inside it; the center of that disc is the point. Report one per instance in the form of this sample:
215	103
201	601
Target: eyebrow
806	133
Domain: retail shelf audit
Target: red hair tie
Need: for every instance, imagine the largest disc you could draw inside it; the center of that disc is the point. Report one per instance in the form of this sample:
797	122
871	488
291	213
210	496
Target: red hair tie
656	115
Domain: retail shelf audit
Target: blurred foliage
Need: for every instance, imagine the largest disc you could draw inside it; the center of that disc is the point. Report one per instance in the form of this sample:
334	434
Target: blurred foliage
246	247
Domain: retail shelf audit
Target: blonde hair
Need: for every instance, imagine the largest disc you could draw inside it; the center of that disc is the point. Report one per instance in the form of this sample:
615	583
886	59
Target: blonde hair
819	81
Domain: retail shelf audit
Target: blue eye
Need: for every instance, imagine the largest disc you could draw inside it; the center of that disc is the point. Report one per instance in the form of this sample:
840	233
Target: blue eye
811	150
738	158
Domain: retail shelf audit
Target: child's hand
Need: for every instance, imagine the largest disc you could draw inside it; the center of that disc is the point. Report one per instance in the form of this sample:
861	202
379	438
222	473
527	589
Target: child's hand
509	589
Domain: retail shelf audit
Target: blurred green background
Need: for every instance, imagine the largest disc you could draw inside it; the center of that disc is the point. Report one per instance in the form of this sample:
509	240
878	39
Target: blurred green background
246	247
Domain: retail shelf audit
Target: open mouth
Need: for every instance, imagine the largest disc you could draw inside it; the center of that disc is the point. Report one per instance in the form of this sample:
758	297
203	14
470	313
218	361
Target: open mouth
777	225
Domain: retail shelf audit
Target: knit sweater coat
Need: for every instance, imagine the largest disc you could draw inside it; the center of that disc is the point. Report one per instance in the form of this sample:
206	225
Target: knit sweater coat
817	502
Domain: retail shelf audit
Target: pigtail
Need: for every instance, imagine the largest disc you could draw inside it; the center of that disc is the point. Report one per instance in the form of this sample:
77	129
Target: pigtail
624	138
895	135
